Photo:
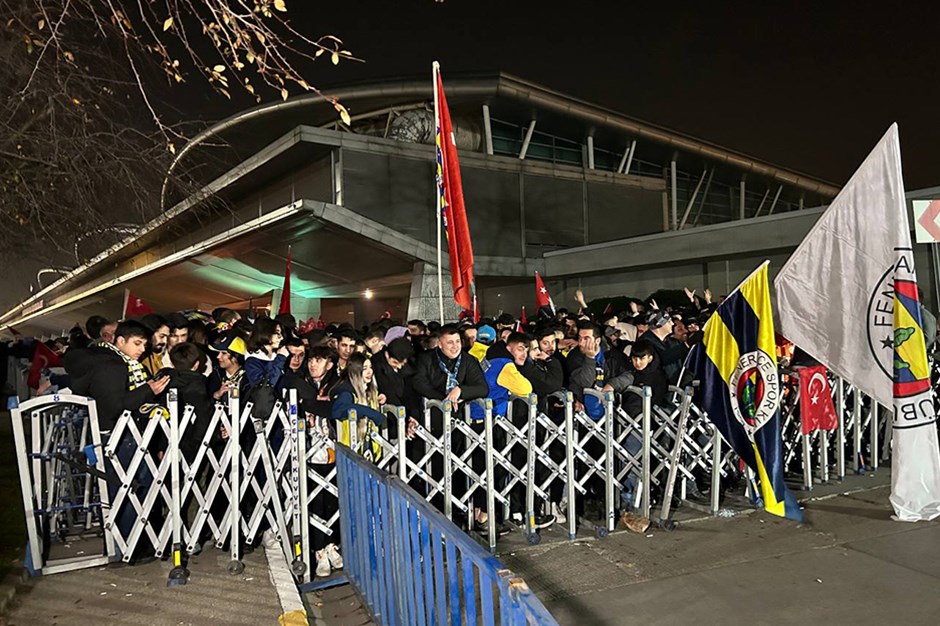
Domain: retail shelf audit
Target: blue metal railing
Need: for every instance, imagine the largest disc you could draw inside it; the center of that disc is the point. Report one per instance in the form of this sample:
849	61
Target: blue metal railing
413	566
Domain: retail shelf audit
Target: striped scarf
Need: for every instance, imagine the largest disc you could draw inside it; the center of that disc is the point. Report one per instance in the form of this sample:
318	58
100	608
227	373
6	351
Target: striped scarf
136	374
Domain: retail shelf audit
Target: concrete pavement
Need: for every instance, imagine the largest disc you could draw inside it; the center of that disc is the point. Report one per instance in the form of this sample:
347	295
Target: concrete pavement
138	595
848	564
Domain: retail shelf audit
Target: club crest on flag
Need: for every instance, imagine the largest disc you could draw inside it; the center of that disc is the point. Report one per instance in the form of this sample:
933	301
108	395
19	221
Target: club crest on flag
895	334
754	389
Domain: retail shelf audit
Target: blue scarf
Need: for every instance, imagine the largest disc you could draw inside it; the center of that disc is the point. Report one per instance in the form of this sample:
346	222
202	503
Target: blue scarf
451	376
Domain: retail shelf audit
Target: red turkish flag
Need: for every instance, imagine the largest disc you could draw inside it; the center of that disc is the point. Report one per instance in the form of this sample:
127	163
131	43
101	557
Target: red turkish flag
816	409
542	298
43	358
134	306
285	290
452	209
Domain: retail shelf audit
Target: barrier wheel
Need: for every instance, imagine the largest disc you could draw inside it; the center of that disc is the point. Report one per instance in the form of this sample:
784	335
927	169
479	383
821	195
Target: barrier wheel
298	567
178	576
236	567
601	532
534	539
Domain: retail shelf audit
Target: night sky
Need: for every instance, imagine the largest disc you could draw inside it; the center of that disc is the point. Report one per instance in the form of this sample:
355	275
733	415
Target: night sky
806	87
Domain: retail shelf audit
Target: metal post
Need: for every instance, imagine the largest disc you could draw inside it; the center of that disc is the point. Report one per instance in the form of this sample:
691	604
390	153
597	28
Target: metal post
688	207
626	167
402	452
234	441
525	142
774	203
590	152
875	414
19	438
674	200
304	495
824	456
840	434
647	443
609	458
435	68
807	464
623	160
716	470
532	416
741	200
179	574
487	130
857	432
569	464
490	497
760	207
298	565
448	460
701	205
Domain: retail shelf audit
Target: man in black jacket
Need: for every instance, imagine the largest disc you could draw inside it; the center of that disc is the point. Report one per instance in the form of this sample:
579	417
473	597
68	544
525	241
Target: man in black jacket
449	373
393	375
114	378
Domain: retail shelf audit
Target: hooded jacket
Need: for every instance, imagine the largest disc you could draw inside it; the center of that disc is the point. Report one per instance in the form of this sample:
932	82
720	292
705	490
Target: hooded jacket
191	389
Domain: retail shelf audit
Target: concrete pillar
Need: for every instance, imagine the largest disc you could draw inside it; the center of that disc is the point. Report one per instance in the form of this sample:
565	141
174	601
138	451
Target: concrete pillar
422	301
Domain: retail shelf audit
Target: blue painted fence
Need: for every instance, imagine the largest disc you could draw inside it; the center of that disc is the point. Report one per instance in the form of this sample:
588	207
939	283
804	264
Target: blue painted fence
415	567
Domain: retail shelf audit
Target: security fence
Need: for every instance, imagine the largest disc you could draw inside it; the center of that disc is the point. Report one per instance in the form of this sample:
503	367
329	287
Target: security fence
168	484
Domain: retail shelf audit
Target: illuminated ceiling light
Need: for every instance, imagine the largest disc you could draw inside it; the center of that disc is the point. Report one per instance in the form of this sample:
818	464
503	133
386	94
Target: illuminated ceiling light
368	294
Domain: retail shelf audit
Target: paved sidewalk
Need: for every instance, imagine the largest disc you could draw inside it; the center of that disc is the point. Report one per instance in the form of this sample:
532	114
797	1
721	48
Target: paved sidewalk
849	564
138	595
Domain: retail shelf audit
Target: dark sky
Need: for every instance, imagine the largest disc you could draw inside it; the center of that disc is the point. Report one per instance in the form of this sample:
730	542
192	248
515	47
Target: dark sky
804	86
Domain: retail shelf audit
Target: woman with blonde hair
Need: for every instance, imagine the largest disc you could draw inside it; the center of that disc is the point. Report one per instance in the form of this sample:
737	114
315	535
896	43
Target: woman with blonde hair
357	389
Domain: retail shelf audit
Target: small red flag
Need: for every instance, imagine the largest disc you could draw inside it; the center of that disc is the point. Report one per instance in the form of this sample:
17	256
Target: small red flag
285	290
542	297
134	306
608	309
522	319
476	310
816	409
452	209
43	358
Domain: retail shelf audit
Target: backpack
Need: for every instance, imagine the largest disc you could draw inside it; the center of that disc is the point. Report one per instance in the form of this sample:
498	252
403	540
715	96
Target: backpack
263	399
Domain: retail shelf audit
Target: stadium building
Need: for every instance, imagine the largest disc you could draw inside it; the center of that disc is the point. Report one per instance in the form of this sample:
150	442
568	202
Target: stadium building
587	196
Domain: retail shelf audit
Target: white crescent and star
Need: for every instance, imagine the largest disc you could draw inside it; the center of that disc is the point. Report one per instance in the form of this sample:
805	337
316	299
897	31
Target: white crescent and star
818	389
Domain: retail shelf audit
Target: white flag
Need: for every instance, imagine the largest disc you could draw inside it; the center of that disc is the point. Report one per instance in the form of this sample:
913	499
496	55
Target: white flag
848	297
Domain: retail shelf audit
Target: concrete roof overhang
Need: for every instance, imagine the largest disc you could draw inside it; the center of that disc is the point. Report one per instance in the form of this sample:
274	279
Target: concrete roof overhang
334	253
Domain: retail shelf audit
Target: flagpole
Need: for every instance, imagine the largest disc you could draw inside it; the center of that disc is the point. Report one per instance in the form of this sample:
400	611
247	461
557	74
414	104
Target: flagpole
435	68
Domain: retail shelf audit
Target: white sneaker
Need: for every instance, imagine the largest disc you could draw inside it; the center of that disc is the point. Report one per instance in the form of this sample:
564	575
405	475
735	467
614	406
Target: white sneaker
559	516
323	563
334	557
517	518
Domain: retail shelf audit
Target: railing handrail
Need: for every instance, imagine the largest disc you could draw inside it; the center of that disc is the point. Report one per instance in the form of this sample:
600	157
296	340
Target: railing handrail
515	586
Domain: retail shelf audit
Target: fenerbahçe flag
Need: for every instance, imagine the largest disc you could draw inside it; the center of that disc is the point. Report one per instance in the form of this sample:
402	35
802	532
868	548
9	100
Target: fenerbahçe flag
848	296
740	386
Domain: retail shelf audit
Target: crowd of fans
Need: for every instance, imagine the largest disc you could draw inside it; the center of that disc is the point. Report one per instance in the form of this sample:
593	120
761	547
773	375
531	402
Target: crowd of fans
130	366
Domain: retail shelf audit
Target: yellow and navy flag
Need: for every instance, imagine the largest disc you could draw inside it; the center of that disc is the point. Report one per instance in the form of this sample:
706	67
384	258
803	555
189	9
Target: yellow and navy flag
736	365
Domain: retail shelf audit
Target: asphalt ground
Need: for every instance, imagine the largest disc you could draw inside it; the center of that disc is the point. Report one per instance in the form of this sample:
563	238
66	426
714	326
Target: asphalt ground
849	563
